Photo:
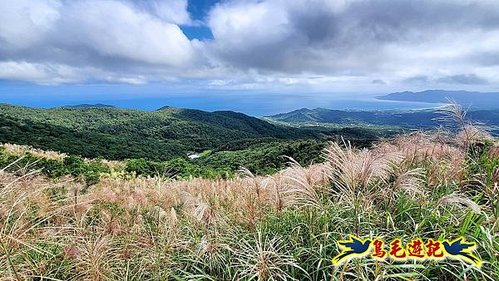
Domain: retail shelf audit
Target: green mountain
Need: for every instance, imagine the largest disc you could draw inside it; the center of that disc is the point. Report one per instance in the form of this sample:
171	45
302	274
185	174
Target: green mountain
406	119
418	119
97	105
164	134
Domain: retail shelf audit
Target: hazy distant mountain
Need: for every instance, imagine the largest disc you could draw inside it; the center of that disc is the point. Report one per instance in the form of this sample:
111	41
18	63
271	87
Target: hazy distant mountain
476	100
420	119
163	108
97	105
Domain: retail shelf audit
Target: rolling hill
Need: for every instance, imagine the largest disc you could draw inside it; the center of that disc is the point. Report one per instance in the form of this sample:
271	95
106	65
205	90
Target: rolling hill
164	134
339	117
420	119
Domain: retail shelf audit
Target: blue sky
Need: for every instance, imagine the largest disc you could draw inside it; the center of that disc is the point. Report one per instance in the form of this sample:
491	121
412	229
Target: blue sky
70	50
199	11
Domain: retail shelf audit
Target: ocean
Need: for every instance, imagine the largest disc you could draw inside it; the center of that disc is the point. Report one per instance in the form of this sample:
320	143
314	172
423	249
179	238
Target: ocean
255	104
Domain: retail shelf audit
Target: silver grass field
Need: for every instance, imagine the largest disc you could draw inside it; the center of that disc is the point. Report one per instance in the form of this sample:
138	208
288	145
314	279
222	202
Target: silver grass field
285	226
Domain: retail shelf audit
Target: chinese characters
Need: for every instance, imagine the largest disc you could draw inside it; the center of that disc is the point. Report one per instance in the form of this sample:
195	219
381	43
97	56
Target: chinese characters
415	249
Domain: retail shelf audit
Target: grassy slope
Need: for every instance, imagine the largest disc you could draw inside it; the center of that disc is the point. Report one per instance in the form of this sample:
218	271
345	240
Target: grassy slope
281	227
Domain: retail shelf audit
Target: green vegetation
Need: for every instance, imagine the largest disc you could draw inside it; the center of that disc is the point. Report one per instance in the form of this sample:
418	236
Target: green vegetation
157	143
197	219
260	159
279	227
89	171
119	134
415	119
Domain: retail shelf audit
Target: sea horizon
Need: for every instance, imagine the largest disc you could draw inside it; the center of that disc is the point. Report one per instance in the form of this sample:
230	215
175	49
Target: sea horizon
251	104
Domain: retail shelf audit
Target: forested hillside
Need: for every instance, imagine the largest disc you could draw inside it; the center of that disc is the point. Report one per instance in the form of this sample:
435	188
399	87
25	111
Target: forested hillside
260	159
417	119
166	134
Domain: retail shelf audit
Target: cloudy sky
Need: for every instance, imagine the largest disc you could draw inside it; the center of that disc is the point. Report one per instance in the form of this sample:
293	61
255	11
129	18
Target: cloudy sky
251	45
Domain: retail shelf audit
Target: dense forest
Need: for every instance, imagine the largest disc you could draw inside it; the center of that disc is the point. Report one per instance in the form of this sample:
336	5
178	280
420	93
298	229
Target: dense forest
159	142
260	159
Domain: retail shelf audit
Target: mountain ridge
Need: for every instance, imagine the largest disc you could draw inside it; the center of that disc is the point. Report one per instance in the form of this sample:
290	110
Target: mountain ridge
117	134
88	105
413	119
472	99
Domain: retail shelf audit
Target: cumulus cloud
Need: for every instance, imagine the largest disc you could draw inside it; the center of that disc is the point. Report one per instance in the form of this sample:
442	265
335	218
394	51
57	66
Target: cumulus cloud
395	39
110	29
327	44
333	28
112	36
172	11
52	73
26	23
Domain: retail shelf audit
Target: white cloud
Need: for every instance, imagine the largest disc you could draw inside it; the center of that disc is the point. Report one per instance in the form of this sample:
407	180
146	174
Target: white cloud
113	29
248	24
49	74
39	73
24	23
389	40
172	11
110	36
277	45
